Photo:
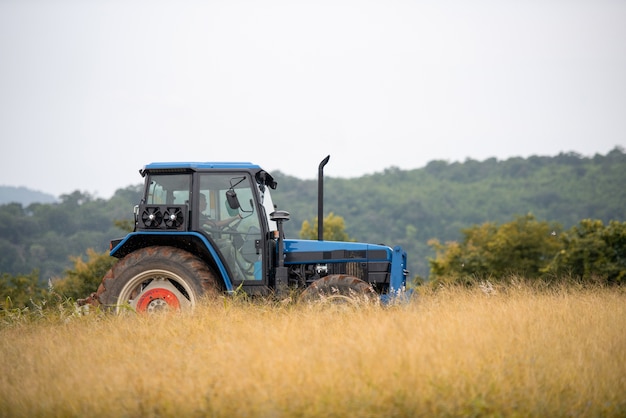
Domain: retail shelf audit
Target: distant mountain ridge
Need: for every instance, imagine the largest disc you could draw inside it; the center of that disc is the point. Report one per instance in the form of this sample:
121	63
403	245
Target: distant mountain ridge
24	196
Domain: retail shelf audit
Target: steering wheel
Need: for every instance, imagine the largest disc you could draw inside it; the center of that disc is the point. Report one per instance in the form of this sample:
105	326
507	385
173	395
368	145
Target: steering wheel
220	226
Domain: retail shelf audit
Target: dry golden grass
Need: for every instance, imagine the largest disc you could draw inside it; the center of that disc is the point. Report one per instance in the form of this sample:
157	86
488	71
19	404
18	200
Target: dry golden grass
515	352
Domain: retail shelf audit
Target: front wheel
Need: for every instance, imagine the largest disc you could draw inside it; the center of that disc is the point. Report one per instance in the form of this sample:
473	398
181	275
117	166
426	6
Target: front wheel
157	278
340	289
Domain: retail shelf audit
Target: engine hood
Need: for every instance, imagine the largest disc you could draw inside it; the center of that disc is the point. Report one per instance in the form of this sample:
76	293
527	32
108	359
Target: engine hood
310	251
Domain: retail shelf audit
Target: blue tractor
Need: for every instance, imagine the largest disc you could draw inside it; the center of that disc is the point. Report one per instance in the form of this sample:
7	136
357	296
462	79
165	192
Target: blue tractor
210	228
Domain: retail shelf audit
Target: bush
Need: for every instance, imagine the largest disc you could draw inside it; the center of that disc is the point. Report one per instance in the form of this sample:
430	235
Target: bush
86	275
591	250
526	247
20	290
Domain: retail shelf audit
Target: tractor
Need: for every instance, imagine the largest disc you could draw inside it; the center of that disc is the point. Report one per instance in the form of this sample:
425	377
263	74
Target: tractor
204	229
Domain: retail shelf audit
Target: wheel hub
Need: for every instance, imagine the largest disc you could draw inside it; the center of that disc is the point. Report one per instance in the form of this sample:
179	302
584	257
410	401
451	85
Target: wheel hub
157	299
160	295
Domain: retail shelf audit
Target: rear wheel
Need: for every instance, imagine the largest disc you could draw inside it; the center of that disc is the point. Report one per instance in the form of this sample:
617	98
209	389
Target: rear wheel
155	279
340	289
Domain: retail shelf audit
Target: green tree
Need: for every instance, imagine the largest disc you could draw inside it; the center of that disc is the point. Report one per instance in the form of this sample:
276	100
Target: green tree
334	229
20	290
45	236
591	250
86	276
395	207
524	246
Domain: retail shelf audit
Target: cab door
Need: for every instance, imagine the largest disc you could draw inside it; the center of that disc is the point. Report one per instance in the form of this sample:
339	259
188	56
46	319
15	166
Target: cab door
231	221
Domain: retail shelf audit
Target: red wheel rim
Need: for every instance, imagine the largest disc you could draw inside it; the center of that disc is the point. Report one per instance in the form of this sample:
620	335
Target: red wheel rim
154	294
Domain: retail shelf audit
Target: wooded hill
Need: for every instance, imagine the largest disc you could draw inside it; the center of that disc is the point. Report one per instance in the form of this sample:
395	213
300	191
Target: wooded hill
395	207
411	207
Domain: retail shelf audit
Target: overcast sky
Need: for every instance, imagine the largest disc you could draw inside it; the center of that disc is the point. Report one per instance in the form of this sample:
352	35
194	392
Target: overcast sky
90	91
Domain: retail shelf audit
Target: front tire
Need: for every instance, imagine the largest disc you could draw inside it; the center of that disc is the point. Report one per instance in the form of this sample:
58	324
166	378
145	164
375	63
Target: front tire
340	289
158	278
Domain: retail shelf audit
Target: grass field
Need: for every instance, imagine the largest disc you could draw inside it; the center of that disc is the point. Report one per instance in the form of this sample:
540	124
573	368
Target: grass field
513	352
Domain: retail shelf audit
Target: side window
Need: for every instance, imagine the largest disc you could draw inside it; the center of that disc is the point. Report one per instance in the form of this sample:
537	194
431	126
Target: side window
168	189
156	194
213	189
235	231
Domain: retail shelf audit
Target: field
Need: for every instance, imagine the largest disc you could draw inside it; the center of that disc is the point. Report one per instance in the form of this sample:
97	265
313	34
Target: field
511	351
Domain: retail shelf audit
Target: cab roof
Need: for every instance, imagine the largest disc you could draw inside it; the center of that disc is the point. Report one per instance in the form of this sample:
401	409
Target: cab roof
201	165
261	176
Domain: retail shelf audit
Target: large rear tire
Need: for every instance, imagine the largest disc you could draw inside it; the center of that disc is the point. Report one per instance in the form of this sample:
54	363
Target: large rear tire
157	278
340	289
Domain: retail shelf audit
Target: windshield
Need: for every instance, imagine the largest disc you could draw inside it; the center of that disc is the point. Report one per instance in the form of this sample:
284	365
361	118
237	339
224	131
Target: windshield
268	205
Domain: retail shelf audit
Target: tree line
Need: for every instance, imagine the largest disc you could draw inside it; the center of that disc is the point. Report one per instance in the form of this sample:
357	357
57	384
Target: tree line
411	207
428	211
45	237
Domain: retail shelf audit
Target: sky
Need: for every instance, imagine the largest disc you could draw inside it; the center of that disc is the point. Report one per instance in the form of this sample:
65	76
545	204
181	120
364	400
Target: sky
91	91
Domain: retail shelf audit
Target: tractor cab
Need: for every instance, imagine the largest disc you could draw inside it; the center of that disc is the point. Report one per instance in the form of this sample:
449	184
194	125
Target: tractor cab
228	208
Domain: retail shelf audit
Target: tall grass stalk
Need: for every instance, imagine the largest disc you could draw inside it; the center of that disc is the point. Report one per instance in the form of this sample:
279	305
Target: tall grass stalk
452	352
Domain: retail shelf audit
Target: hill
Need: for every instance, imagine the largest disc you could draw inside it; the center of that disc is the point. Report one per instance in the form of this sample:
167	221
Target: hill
24	196
395	207
438	201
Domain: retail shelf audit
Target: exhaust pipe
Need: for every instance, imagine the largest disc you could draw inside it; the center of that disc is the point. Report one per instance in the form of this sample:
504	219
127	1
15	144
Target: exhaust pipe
320	199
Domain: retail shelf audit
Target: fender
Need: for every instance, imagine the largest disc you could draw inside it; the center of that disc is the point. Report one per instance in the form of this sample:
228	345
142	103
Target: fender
193	242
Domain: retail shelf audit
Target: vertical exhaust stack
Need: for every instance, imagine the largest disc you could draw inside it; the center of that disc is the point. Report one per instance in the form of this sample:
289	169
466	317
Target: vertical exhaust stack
320	199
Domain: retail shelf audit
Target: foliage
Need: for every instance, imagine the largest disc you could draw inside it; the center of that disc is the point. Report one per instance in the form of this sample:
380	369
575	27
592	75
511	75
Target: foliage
394	207
333	228
45	236
534	249
86	275
411	207
20	290
591	250
126	225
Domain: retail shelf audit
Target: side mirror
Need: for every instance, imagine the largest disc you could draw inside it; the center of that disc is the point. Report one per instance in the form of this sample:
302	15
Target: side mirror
233	201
